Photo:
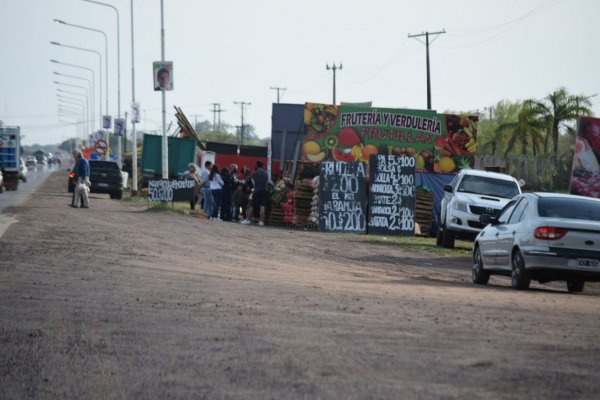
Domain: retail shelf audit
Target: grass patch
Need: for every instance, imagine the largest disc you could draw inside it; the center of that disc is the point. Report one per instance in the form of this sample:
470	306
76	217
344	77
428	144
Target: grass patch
417	243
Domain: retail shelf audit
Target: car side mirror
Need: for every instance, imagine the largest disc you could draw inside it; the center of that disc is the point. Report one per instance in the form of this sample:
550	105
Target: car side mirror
448	188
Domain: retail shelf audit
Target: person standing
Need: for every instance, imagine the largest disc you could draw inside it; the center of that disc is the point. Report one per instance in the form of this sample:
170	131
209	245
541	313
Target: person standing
193	175
259	193
216	188
206	192
235	211
226	195
82	169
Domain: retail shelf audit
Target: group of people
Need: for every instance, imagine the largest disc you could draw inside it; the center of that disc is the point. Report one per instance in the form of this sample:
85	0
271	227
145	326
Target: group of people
228	195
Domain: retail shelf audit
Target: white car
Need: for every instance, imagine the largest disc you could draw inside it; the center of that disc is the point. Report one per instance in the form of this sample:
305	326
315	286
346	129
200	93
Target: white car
22	170
543	237
471	194
1	182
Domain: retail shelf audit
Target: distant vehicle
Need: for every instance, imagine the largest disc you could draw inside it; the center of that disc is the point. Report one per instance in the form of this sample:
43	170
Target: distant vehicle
543	237
22	170
31	162
471	194
105	177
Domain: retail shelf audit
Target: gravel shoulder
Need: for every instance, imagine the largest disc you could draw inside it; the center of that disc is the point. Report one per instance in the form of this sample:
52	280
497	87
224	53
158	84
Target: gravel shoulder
120	302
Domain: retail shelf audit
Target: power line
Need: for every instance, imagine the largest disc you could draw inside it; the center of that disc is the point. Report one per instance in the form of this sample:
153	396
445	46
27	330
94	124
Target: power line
426	34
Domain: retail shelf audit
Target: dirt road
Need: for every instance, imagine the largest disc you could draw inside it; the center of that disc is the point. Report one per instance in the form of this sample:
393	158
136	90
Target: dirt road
117	302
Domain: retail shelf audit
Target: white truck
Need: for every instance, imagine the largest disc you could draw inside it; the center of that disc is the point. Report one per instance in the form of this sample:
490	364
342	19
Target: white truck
471	194
10	154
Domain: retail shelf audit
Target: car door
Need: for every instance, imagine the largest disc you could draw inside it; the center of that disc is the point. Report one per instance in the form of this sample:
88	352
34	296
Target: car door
488	239
507	233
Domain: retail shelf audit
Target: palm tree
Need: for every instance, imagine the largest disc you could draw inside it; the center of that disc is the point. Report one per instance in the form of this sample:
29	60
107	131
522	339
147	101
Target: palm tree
560	107
528	129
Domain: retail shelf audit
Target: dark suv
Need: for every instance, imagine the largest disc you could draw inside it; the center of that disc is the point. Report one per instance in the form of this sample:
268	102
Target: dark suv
105	177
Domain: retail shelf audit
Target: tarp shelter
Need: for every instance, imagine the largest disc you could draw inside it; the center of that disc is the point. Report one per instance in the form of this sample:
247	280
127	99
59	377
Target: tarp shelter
286	119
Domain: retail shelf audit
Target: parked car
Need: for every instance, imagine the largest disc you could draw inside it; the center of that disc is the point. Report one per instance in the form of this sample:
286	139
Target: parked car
105	177
471	194
543	237
1	182
22	170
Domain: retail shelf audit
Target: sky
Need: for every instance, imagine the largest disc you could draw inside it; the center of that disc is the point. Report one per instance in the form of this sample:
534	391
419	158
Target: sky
229	51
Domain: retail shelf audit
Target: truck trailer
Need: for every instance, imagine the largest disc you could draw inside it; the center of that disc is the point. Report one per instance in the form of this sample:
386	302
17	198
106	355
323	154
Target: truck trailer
10	153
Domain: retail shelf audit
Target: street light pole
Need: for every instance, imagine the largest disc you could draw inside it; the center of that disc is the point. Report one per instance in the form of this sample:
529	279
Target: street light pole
334	68
94	80
165	142
107	156
134	178
92	89
99	67
87	95
118	67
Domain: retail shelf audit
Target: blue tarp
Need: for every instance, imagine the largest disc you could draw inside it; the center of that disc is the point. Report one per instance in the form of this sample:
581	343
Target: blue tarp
435	183
288	118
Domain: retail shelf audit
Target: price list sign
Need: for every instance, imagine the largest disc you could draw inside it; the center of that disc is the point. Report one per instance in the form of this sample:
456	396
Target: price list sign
392	195
342	197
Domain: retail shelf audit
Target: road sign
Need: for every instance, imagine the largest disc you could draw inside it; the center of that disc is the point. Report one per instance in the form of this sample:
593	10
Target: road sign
101	147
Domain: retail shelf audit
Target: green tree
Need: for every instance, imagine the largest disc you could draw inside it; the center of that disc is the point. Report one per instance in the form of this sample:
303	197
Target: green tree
490	138
527	130
560	108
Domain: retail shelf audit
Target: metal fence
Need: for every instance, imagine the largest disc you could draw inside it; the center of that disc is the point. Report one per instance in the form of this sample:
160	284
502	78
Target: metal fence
539	173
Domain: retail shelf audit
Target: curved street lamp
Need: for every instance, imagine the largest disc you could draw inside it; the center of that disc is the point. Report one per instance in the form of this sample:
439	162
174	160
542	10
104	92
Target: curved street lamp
91	87
58	21
87	96
93	80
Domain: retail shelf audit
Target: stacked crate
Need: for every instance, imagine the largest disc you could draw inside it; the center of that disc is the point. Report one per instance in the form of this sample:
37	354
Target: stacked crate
424	211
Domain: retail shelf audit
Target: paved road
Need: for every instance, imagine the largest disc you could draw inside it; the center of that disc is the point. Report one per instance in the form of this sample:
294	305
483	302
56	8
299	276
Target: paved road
9	198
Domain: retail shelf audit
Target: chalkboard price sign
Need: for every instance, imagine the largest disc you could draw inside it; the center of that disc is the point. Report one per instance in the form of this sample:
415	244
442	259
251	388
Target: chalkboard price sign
392	195
342	197
170	190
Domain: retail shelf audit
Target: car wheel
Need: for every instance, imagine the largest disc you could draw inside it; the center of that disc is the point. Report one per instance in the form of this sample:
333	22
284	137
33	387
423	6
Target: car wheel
519	276
575	285
447	238
1	188
116	195
438	237
480	276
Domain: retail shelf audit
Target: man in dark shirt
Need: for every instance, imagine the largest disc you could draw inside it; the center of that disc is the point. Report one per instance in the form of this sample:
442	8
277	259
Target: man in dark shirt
259	193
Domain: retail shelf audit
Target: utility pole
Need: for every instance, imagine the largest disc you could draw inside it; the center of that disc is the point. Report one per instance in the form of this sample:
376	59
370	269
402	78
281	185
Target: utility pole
278	90
426	34
196	120
219	111
242	104
214	111
334	68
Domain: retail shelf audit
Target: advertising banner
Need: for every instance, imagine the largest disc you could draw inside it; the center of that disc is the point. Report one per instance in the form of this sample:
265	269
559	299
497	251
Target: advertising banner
438	142
585	172
163	75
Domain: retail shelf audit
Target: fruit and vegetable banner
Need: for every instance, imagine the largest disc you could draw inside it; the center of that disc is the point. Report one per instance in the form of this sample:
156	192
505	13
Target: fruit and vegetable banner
585	172
438	142
342	197
392	195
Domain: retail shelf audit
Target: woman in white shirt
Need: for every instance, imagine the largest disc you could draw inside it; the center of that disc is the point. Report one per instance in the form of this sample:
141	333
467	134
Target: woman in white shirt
216	188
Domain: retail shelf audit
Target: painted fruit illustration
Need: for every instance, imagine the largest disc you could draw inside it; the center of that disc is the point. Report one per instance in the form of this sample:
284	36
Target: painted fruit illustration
313	151
349	147
447	164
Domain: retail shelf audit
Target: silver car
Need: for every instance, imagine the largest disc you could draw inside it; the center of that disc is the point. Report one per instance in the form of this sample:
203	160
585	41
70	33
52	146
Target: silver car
543	237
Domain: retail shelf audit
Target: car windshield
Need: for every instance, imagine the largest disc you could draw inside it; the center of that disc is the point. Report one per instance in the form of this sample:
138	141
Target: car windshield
573	208
488	186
